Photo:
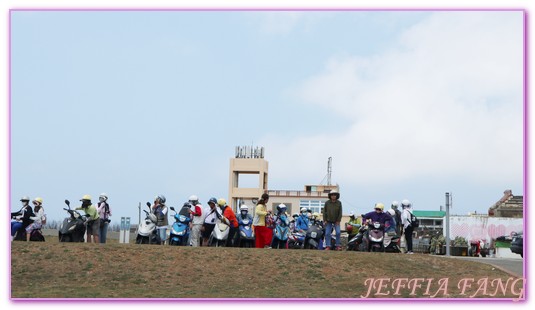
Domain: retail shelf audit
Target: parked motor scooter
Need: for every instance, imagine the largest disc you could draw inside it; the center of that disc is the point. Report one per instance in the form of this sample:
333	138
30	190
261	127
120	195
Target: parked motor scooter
247	237
281	233
219	234
375	237
391	242
73	227
314	235
296	239
180	232
359	242
20	234
146	232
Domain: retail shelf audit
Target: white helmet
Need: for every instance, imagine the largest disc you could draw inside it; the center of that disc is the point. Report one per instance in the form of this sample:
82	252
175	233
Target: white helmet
405	204
303	210
392	212
193	198
104	196
244	208
395	204
351	214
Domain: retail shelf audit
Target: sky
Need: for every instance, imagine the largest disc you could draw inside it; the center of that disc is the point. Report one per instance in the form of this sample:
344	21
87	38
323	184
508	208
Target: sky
409	104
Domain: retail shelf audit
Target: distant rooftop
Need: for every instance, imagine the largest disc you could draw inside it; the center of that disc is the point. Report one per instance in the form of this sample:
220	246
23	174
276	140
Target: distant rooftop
422	213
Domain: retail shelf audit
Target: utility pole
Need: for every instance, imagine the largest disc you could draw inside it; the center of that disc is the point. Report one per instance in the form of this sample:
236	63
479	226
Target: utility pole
448	200
139	215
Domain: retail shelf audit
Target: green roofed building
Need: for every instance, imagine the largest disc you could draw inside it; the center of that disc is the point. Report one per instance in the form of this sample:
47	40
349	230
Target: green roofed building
430	219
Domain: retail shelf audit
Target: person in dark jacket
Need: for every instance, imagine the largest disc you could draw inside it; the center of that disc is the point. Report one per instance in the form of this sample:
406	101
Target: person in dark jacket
22	219
332	215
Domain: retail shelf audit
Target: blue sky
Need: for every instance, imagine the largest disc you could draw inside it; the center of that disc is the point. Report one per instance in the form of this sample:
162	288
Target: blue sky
408	104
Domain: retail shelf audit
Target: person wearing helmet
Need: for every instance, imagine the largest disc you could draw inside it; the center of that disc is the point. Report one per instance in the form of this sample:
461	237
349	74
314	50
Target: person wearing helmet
160	210
242	218
244	213
353	225
281	210
397	217
212	214
332	215
392	228
93	219
378	215
406	222
303	222
293	223
196	213
22	219
104	212
38	218
280	221
263	233
230	217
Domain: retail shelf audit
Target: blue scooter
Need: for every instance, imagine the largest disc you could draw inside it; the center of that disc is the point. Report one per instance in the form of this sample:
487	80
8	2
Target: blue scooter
247	238
180	231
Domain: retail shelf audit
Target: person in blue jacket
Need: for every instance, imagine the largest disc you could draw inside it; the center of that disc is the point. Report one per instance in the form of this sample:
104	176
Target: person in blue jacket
302	222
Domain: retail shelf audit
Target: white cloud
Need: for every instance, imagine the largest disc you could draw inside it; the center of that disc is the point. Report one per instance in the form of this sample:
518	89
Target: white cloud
445	101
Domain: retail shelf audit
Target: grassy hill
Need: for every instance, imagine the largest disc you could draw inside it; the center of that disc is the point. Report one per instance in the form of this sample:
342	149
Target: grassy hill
80	270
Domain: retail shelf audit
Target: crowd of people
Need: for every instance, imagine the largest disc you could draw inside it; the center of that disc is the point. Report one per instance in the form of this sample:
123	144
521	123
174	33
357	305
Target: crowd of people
31	219
203	220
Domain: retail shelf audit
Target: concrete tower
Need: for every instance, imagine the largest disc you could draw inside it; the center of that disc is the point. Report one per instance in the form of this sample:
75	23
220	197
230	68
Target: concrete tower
248	161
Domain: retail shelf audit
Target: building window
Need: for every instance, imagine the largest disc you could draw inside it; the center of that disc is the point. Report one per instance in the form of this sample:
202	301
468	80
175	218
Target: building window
313	205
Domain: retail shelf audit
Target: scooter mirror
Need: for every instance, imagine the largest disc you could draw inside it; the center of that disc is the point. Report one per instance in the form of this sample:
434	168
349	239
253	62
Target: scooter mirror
67	202
148	204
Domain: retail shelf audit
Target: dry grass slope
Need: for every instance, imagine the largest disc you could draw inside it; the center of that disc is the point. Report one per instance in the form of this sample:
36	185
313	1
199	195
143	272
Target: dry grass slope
56	270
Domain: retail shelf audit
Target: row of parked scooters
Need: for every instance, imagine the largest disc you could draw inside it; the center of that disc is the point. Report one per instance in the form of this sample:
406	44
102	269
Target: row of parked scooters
369	237
180	233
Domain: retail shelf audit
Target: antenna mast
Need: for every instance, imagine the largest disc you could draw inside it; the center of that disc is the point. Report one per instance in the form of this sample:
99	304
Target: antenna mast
329	170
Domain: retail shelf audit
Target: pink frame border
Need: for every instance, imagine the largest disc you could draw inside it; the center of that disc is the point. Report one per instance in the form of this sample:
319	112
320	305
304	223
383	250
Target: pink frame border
281	300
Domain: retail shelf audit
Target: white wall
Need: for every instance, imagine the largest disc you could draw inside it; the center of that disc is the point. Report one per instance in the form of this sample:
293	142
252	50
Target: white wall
484	228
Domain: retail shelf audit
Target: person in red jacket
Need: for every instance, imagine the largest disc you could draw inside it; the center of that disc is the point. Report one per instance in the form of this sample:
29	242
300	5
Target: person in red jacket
231	217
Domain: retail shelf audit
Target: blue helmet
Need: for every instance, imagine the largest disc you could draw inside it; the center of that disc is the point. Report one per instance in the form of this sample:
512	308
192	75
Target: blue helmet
213	199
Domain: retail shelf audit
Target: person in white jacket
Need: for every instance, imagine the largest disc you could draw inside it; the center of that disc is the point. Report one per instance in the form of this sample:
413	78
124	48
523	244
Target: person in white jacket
39	213
196	212
406	222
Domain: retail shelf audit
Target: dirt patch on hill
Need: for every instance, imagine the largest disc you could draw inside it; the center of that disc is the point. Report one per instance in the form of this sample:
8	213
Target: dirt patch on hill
63	270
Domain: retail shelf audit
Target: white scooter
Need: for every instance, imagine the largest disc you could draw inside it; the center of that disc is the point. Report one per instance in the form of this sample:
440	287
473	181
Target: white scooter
219	234
146	232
